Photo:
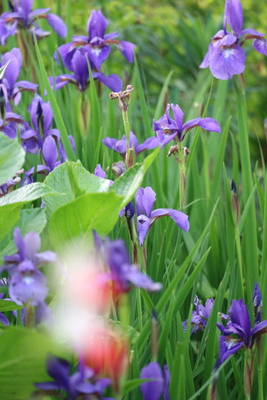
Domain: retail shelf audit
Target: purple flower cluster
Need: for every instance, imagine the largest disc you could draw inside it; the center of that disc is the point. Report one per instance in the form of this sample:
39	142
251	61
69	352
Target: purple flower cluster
225	56
238	331
91	50
21	16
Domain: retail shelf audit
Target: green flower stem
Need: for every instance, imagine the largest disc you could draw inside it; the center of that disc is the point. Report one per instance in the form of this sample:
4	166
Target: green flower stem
182	183
260	372
129	159
250	230
30	316
248	372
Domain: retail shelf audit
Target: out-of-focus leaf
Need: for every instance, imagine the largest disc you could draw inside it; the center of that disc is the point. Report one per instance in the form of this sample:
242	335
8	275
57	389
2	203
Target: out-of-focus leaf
11	158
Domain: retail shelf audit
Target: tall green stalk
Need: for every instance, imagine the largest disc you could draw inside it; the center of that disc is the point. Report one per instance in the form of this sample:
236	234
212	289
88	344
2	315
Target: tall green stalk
251	273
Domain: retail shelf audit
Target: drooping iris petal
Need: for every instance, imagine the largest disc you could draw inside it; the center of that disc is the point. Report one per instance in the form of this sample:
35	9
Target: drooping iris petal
226	63
143	225
260	45
152	390
180	218
127	50
4	320
57	25
149	143
112	81
228	346
133	275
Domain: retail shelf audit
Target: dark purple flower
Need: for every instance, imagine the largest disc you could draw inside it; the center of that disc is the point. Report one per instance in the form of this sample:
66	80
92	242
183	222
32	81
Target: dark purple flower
158	384
238	331
83	381
226	56
145	199
119	146
11	88
9	185
21	16
122	273
168	128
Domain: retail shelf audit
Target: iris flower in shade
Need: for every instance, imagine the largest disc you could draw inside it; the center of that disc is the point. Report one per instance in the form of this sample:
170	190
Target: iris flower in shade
27	283
238	331
168	128
12	89
81	382
158	384
3	319
78	64
119	146
122	273
145	198
201	315
21	16
225	56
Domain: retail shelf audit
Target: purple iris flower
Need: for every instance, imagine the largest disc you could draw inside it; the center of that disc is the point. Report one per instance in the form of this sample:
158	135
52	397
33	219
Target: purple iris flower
145	198
41	118
122	273
9	125
119	146
93	49
78	64
225	56
201	315
98	43
168	128
83	381
238	331
158	384
12	89
21	16
27	283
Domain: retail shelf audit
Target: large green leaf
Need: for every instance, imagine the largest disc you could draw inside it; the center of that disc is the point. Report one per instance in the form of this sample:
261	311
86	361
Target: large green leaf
97	211
11	158
30	219
9	215
26	194
22	361
128	183
71	180
9	306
